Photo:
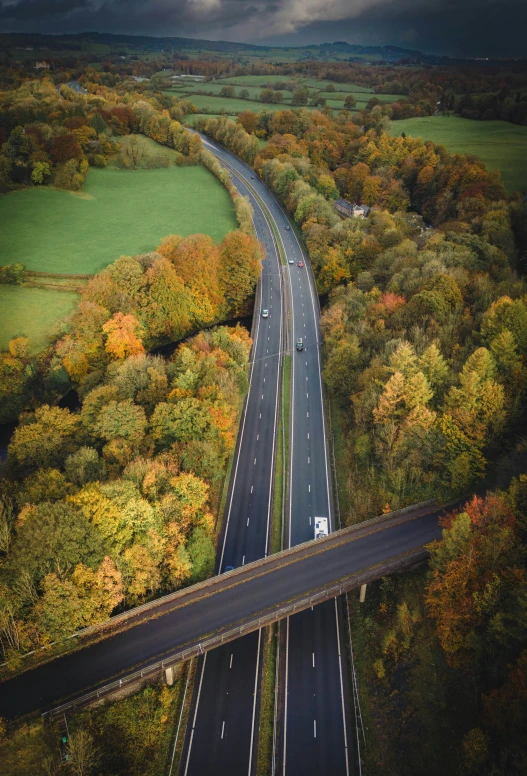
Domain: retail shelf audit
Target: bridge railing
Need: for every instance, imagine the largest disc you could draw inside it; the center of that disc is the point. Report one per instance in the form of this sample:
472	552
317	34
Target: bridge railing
153	671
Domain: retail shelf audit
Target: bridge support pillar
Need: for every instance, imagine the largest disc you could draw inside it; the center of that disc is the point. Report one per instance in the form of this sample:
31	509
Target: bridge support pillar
169	676
362	594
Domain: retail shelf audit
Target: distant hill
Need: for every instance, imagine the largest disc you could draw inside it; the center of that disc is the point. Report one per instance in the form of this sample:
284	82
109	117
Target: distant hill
105	42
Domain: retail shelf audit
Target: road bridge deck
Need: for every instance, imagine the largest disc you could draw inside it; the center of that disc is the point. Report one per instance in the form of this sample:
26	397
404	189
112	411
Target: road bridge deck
264	589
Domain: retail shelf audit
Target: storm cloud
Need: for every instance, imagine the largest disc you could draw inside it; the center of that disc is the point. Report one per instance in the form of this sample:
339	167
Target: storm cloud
457	27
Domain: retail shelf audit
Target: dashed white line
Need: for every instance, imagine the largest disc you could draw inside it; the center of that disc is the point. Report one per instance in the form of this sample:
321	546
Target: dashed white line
247	521
308	459
309	488
230	664
314	729
243	561
254	464
257	437
223	729
313	659
252	486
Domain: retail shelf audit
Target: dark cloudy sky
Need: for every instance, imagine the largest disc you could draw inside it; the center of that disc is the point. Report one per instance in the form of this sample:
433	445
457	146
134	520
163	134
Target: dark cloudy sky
456	27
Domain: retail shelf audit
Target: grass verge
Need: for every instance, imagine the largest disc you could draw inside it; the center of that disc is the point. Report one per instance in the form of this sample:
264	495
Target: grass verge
267	703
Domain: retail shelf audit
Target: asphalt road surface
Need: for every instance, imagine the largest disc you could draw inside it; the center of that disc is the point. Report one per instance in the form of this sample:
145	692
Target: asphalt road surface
220	736
316	730
260	590
316	723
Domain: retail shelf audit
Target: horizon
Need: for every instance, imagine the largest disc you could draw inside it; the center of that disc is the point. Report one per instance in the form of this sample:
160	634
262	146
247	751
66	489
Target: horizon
434	27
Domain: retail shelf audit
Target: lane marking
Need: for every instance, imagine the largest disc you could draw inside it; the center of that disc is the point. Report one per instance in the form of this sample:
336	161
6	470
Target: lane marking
230	664
313	659
257	437
195	715
342	691
308	459
243	561
254	464
252	486
255	694
314	728
309	488
223	729
248	521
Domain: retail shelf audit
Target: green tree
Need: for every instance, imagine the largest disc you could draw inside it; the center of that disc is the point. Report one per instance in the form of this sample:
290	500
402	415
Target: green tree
44	438
202	555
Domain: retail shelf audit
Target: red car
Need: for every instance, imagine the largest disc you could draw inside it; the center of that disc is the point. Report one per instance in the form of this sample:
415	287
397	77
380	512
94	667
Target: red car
300	263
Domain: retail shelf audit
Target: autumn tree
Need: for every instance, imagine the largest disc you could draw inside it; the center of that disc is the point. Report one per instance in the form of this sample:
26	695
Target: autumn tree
123	336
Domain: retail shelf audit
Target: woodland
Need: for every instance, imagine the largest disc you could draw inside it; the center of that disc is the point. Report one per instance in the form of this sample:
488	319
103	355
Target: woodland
425	345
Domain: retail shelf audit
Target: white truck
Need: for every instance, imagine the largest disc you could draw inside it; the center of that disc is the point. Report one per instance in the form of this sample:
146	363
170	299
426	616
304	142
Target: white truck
321	527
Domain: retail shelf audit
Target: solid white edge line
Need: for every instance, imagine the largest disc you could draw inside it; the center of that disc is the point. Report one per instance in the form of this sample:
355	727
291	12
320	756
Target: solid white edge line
195	715
342	691
285	694
254	703
254	349
269	508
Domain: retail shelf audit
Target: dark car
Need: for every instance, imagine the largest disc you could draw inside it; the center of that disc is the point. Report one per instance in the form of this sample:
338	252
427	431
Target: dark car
299	344
228	568
288	228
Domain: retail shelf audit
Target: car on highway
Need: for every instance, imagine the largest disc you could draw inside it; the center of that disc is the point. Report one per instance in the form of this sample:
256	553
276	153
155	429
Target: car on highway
265	313
299	344
288	228
300	263
291	261
228	568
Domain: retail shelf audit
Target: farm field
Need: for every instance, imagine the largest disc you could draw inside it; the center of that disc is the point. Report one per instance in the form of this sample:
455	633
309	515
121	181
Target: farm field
119	212
213	103
32	313
502	146
232	105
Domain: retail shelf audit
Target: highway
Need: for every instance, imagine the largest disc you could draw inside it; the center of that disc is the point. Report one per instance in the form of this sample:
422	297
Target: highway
315	729
223	725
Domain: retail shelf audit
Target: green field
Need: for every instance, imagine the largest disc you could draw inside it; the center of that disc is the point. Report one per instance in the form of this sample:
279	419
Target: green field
232	105
32	312
120	212
502	146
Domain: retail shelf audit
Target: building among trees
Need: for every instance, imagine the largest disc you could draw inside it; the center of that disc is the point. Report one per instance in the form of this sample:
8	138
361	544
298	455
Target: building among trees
350	210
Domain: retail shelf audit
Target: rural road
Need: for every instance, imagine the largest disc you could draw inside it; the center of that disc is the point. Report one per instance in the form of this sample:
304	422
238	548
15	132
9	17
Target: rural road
247	593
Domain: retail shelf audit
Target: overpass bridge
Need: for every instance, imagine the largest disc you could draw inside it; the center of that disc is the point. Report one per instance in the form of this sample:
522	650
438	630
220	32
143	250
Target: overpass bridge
139	645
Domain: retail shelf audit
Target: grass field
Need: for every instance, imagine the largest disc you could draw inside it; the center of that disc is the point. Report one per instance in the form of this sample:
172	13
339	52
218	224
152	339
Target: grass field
32	312
121	212
502	146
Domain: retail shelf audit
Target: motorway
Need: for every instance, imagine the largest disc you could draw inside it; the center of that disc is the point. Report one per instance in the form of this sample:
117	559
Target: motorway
315	728
315	699
222	732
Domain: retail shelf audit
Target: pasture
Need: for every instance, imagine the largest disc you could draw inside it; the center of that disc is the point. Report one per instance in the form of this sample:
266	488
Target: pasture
212	103
502	146
32	313
120	212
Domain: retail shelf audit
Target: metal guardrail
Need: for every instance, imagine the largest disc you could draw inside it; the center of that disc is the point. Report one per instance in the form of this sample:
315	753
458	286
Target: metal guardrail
152	671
